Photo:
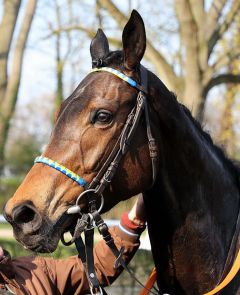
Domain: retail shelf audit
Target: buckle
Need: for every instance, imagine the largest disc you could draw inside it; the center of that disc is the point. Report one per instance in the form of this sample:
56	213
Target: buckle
153	150
97	291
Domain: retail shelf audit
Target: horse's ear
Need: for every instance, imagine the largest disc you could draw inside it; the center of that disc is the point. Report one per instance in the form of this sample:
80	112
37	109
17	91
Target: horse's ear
99	47
134	41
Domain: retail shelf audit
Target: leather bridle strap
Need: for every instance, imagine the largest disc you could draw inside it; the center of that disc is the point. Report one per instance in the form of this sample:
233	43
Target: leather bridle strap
104	232
103	179
106	174
151	140
108	170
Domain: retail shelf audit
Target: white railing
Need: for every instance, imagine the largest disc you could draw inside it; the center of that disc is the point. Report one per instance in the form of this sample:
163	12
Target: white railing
145	243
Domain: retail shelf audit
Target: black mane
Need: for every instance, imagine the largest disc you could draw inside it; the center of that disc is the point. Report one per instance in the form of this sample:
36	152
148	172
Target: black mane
116	58
231	165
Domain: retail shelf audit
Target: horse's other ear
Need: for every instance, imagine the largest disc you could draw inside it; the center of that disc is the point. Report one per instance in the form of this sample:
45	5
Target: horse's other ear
134	41
99	48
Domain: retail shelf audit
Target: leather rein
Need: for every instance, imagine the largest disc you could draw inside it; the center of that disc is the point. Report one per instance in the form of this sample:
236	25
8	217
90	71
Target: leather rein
94	190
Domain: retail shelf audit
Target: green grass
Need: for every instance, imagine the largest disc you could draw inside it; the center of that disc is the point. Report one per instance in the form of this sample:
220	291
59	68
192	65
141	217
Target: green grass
17	250
5	225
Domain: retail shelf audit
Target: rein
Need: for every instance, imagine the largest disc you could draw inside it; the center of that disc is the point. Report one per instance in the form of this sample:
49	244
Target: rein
94	190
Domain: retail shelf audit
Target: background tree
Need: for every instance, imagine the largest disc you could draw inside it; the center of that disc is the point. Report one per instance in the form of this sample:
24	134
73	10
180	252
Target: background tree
201	31
195	67
184	48
10	80
231	107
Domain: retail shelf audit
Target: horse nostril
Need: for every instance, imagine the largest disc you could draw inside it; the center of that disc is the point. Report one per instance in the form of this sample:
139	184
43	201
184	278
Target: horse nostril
23	214
27	217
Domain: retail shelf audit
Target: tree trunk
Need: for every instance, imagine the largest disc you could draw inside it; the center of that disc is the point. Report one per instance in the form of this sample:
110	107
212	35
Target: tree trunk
60	60
190	18
59	76
10	14
11	93
227	135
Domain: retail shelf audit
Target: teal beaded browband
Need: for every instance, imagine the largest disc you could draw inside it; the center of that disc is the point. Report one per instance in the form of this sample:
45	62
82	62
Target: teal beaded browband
53	164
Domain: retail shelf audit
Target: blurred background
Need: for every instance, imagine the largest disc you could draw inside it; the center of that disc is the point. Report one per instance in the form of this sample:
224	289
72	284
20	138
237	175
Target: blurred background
193	46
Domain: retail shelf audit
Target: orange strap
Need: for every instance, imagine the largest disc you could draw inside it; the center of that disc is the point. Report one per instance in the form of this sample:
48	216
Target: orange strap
150	282
233	272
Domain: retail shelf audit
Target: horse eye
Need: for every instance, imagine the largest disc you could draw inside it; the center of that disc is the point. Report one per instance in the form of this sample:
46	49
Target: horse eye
102	116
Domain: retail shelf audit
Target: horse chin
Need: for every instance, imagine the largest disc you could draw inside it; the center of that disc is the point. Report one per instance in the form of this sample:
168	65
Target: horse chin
46	239
38	243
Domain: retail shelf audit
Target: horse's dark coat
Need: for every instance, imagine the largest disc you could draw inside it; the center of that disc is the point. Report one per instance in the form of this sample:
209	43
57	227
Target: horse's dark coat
194	204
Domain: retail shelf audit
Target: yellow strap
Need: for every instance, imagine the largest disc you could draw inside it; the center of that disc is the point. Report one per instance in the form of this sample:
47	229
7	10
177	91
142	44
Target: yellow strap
234	270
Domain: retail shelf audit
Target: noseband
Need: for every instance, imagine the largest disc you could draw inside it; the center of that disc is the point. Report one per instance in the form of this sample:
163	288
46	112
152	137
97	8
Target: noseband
96	187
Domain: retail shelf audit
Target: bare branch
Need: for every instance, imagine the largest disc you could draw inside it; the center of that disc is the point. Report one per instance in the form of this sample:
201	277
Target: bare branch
222	28
213	16
199	16
90	32
222	78
98	14
197	8
226	59
189	37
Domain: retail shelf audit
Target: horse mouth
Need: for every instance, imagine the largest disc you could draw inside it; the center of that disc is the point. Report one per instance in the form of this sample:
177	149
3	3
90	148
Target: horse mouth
46	239
41	248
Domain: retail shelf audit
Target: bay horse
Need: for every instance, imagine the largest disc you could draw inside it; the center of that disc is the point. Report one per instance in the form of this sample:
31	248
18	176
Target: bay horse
192	206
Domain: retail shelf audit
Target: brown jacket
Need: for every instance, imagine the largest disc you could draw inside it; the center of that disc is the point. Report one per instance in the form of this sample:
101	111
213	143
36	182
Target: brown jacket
46	276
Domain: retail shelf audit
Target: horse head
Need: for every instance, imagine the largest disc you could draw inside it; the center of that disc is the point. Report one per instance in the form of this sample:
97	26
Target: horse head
87	128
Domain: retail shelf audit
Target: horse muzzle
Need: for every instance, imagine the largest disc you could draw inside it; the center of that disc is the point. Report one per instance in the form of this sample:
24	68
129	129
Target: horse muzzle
32	230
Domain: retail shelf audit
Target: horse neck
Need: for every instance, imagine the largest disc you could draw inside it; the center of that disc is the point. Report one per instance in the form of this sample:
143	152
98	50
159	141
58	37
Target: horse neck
195	199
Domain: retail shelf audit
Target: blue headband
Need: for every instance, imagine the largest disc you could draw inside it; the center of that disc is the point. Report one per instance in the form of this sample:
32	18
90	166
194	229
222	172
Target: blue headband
62	169
120	75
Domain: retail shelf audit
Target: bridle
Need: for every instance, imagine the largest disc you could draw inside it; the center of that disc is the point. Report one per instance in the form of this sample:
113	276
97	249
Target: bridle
108	169
94	190
103	178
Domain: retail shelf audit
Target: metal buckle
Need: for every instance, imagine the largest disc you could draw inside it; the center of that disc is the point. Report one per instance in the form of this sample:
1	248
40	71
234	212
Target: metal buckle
100	292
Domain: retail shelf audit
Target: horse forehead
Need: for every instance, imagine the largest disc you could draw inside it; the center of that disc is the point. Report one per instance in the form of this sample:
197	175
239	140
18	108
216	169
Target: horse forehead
104	85
94	89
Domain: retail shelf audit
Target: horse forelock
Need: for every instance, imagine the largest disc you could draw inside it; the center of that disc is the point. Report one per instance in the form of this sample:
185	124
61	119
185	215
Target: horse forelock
113	58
